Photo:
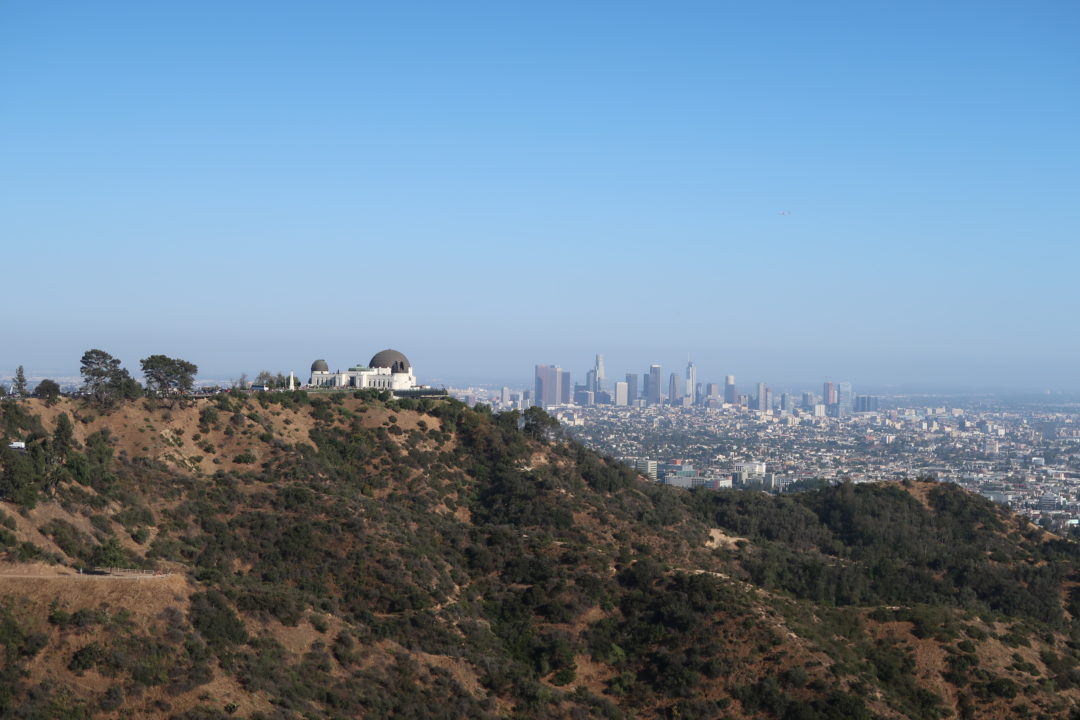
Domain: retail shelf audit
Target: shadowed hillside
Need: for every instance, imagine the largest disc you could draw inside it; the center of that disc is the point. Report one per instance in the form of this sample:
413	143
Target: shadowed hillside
348	556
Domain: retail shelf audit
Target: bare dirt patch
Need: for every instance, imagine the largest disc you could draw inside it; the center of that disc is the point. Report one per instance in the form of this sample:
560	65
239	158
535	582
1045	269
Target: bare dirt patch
223	690
591	674
719	539
920	491
463	674
296	639
31	570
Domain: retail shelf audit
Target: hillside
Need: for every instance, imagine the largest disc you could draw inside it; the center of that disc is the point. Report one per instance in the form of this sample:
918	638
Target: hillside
339	556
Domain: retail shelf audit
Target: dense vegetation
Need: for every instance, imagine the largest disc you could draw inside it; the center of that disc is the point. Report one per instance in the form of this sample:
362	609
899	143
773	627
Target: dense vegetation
444	561
871	545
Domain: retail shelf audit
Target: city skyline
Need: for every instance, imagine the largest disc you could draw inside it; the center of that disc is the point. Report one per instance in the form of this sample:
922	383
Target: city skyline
554	386
779	379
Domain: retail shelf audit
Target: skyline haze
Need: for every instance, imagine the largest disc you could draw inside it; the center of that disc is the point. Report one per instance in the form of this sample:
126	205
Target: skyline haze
879	194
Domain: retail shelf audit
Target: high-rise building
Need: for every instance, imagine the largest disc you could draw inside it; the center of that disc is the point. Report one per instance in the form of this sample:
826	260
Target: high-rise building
762	396
691	382
590	381
547	390
828	394
631	388
599	370
729	390
674	393
645	466
712	390
845	398
866	403
786	402
621	393
653	389
552	386
808	401
504	396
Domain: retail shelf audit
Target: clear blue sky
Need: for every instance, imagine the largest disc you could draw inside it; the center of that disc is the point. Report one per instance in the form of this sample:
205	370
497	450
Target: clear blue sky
883	192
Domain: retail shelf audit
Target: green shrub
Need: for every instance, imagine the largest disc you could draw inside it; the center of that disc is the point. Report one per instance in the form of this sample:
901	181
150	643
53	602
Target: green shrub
211	615
86	657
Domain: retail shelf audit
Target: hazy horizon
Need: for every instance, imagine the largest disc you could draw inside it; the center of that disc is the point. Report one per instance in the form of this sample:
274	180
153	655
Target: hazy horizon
776	374
882	194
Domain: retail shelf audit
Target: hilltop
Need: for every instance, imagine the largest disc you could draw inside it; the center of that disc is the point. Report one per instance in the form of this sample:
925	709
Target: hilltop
333	555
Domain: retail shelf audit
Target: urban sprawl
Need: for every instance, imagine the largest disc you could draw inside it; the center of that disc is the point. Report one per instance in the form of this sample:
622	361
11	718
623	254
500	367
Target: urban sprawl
681	432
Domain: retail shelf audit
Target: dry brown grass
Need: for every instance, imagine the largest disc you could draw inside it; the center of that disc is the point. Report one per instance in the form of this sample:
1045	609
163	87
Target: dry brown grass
719	539
36	586
144	596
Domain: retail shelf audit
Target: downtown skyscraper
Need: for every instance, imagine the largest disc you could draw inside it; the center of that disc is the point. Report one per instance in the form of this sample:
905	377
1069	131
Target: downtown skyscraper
653	393
828	393
845	398
674	390
763	402
631	388
729	390
691	383
552	386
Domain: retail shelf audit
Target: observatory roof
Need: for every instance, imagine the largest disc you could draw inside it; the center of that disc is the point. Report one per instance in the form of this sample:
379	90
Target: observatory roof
392	359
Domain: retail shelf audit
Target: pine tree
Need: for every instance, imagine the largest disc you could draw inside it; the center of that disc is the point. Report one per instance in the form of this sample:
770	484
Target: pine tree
19	388
105	381
64	435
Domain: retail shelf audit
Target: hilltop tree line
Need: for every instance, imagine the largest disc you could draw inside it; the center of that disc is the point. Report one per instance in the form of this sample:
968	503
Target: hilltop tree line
106	382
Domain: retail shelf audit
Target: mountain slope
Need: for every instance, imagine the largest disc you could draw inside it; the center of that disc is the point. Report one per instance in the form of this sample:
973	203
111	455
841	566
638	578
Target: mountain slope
353	556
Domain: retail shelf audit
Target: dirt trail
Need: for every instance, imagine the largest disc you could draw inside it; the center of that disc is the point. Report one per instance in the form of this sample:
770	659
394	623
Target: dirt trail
44	571
78	576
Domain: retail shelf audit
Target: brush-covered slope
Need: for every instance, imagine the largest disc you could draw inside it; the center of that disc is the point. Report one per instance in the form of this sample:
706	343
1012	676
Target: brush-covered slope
339	556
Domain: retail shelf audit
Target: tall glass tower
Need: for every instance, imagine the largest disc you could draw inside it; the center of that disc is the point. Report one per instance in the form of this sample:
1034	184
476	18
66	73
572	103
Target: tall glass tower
691	382
729	389
653	397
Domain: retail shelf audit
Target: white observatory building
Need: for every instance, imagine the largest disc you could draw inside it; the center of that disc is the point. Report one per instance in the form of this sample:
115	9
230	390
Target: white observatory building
387	370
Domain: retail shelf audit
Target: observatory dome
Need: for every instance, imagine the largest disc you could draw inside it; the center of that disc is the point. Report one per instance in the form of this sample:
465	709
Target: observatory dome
392	359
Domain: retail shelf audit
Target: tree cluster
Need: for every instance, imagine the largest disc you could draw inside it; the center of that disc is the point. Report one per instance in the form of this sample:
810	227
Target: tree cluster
104	381
270	380
166	376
